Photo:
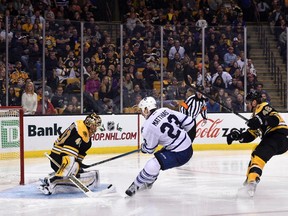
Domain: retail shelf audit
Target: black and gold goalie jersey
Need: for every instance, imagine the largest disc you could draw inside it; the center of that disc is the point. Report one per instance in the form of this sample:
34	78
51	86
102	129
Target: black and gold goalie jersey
74	141
265	120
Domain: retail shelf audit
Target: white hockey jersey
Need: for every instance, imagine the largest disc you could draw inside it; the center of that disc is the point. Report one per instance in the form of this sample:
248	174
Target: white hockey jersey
168	128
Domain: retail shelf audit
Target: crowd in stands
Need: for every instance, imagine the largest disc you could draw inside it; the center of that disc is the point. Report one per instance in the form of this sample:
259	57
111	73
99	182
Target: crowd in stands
277	13
223	74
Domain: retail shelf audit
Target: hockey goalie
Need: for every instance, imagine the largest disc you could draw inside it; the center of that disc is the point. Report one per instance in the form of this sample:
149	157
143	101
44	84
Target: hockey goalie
67	155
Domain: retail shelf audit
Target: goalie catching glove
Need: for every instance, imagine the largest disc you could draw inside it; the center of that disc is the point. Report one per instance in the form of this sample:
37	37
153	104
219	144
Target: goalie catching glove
235	134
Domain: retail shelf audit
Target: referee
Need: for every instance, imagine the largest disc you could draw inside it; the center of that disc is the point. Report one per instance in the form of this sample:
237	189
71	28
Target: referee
193	105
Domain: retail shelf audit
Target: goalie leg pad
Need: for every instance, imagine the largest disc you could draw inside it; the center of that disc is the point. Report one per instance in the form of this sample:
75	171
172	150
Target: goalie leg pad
90	179
68	167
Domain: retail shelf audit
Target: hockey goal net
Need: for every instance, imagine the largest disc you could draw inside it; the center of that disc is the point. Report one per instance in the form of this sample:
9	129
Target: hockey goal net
11	145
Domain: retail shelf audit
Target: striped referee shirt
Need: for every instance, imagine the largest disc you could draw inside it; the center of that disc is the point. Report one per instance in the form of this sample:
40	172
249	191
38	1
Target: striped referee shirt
192	106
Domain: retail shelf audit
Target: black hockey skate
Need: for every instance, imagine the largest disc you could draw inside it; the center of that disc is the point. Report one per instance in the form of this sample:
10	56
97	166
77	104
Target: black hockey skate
133	188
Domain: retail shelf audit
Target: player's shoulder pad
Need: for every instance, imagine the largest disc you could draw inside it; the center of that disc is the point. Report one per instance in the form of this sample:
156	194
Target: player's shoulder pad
82	130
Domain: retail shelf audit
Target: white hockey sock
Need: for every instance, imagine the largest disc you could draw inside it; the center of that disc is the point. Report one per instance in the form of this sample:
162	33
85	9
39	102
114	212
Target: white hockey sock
149	173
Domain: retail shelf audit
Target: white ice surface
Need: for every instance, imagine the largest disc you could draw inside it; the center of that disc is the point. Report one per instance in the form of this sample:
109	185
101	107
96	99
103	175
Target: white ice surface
207	185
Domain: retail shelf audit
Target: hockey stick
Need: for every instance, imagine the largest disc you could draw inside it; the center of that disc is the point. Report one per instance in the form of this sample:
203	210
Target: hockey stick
109	159
79	184
223	105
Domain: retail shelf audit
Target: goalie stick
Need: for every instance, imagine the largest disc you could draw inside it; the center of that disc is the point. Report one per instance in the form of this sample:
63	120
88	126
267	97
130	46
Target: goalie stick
109	159
80	185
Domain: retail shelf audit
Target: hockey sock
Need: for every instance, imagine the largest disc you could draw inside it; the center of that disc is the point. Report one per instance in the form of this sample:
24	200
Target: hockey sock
255	169
149	173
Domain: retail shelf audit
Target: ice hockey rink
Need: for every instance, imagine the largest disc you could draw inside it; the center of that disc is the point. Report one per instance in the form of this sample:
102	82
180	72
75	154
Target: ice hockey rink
207	185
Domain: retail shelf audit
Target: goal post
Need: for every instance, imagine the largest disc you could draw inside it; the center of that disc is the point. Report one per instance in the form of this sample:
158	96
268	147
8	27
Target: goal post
11	145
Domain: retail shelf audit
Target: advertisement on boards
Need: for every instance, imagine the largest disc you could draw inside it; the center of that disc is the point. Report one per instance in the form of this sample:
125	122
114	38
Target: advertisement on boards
40	132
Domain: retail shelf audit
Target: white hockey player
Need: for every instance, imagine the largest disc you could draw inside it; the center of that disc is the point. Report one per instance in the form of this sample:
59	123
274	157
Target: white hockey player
68	152
164	127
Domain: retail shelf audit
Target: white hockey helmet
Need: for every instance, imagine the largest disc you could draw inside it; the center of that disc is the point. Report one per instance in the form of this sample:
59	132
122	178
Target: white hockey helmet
146	105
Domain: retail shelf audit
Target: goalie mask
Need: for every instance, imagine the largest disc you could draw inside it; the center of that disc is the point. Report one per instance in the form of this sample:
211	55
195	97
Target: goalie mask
146	105
93	121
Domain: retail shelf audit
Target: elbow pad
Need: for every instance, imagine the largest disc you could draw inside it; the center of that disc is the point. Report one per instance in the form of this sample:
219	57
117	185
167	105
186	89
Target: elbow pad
271	121
247	137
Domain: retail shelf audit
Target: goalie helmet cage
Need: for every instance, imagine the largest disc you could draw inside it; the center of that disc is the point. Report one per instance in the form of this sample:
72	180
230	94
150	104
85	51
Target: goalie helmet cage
11	145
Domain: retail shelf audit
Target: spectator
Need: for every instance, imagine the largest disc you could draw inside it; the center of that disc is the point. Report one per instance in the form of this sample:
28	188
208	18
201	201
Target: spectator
212	106
177	48
13	99
191	47
237	46
37	15
239	105
136	91
233	68
221	96
27	26
93	83
17	74
132	22
240	60
184	14
190	71
230	106
29	99
150	75
218	83
230	57
227	78
48	106
69	109
59	100
128	83
178	71
264	93
172	62
75	104
251	82
51	63
172	90
105	91
250	67
212	51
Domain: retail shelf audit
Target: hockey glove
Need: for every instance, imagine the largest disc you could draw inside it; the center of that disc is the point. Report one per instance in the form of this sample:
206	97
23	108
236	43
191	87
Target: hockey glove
235	134
254	123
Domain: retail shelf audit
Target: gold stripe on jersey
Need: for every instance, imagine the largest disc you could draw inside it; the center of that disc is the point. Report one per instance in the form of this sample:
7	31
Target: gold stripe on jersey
56	150
83	130
69	150
81	157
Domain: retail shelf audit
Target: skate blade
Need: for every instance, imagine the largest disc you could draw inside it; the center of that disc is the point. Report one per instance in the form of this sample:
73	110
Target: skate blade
244	192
